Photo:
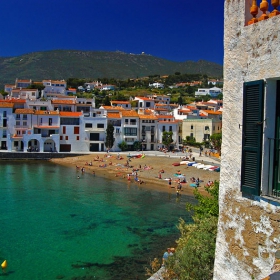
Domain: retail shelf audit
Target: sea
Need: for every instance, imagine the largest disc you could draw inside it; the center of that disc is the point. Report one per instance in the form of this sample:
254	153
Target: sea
54	225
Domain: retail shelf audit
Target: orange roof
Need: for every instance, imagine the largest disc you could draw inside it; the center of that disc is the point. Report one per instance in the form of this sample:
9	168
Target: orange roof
71	114
113	115
145	98
165	117
23	81
213	112
117	108
6	105
174	121
24	111
148	112
147	117
161	109
43	112
59	101
120	102
14	100
129	113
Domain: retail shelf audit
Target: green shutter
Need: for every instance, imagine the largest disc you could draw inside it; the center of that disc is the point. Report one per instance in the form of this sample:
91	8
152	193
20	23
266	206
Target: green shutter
253	96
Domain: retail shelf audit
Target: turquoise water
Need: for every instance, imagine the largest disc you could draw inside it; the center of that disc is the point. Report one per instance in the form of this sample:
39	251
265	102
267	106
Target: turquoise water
55	226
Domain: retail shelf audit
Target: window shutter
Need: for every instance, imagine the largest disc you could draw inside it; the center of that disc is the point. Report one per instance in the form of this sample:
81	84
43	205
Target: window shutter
253	101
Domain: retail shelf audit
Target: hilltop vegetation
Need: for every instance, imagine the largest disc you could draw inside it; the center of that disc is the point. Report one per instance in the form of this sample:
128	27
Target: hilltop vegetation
64	64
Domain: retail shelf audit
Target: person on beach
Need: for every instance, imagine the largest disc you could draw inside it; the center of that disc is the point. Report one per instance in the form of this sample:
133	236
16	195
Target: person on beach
169	182
166	255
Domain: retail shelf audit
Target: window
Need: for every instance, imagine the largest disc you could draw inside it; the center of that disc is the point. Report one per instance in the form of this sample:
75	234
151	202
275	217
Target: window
100	125
66	137
88	125
4	114
130	131
61	137
148	104
170	128
206	127
24	117
78	138
260	169
191	126
126	121
94	137
69	121
76	130
133	122
163	128
50	121
64	129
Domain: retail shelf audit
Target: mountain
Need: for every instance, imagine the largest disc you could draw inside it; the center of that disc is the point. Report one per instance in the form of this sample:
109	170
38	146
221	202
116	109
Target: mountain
64	64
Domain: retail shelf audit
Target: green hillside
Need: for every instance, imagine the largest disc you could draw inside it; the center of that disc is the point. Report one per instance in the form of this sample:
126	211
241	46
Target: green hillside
64	64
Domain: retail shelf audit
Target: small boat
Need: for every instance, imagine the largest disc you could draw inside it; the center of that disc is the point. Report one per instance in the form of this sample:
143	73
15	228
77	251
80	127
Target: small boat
184	162
191	163
176	163
213	168
207	167
200	166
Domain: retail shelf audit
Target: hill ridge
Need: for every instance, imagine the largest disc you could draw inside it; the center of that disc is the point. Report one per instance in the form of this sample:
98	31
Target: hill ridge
64	64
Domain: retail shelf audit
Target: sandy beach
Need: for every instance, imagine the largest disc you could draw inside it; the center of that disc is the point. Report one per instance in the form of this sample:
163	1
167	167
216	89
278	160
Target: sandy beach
148	169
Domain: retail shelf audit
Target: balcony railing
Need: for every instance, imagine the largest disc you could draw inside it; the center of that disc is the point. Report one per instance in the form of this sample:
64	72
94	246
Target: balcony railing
274	148
264	8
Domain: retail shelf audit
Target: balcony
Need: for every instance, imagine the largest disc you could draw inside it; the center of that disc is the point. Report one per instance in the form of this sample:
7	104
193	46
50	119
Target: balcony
264	8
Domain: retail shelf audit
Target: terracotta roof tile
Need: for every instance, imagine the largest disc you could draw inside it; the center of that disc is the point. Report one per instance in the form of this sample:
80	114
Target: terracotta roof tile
131	113
6	105
113	115
120	102
111	108
59	101
147	117
70	114
14	100
43	112
213	112
24	111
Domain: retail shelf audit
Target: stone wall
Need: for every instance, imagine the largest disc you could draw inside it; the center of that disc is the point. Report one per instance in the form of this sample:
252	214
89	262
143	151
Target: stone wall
249	230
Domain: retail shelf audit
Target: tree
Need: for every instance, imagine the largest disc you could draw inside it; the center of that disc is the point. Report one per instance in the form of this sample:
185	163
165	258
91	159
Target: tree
137	145
123	146
216	140
107	101
109	143
167	138
195	253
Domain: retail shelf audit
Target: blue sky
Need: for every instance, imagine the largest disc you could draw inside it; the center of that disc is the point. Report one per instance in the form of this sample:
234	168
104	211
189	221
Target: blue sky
176	30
